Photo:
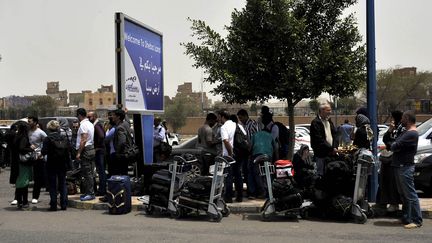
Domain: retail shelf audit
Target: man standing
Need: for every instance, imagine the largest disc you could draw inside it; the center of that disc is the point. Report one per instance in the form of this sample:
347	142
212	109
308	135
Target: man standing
122	137
323	137
85	153
158	139
251	127
227	135
99	136
36	136
346	131
404	150
205	142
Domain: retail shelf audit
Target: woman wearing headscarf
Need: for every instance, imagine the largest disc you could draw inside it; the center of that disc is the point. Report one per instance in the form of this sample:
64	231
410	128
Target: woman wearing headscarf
21	145
362	136
304	168
387	191
56	147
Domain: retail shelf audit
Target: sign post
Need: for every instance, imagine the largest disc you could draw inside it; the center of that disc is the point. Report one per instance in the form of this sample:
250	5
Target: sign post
139	75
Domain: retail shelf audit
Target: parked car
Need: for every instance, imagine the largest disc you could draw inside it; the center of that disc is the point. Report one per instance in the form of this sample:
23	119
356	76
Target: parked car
173	139
43	121
189	147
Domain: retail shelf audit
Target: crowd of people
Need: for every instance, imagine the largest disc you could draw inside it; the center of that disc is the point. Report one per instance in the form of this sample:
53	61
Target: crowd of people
44	155
222	134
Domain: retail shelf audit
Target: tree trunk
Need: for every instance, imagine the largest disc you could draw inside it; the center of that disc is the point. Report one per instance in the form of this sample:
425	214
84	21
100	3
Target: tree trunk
291	130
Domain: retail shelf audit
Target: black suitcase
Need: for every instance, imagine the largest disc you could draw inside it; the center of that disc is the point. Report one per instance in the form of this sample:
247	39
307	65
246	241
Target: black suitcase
119	195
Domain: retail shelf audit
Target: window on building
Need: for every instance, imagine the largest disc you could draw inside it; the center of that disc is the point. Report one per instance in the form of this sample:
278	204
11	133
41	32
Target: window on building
100	101
90	101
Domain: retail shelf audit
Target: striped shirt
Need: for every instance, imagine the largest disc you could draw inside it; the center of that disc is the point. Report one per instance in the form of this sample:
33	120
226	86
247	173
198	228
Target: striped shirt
251	127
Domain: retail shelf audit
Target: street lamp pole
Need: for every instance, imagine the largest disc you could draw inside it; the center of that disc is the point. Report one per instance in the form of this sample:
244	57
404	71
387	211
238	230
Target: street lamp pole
371	89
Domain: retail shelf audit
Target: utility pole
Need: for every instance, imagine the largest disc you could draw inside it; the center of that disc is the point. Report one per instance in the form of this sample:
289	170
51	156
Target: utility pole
371	89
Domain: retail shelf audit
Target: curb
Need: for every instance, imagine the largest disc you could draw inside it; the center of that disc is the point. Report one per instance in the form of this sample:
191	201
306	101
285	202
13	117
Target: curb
237	208
252	207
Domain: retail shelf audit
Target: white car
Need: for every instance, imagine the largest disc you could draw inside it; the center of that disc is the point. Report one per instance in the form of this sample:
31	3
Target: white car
173	139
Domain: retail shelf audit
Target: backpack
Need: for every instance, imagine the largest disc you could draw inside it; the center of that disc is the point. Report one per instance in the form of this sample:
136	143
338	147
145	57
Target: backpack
61	148
283	138
241	142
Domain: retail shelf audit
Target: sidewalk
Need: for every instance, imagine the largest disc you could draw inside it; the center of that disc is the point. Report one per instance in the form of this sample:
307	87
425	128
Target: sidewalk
247	206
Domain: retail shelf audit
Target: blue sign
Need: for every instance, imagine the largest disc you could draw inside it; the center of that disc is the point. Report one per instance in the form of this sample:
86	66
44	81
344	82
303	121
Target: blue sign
143	68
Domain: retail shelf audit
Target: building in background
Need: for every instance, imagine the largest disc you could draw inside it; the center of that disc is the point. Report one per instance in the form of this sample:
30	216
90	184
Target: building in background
60	96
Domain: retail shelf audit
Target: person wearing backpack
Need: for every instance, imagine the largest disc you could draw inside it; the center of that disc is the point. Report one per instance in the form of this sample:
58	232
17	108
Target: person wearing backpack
57	149
241	153
121	140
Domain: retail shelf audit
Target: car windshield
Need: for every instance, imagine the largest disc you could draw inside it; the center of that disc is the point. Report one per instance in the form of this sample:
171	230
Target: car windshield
424	127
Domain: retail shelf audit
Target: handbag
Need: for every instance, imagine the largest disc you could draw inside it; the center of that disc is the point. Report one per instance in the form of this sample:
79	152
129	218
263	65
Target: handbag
28	157
131	151
386	157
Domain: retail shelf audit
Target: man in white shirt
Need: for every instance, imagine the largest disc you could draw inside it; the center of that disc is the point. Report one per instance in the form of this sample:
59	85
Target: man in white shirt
227	135
86	153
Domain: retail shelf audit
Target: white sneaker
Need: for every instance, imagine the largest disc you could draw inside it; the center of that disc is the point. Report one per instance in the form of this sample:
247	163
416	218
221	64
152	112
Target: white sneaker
14	202
34	201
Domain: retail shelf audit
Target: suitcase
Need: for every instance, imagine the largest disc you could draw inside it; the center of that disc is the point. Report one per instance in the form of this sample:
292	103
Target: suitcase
119	195
284	169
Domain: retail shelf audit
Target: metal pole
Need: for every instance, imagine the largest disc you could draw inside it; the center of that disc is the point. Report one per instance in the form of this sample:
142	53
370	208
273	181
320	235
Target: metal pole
371	89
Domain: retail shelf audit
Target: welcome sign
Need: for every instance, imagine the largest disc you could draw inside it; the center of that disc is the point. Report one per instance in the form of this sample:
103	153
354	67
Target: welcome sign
140	61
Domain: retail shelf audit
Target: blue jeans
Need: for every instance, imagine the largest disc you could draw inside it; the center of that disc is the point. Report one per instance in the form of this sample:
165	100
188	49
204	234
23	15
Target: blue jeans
320	163
411	212
255	183
100	168
57	177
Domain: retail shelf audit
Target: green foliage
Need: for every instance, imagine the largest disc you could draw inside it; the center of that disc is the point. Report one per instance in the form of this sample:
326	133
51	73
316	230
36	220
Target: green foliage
314	105
284	49
394	90
177	112
347	105
43	106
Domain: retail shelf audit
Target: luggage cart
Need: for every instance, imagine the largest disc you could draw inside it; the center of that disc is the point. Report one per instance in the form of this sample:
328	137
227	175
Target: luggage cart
215	207
364	162
269	208
177	171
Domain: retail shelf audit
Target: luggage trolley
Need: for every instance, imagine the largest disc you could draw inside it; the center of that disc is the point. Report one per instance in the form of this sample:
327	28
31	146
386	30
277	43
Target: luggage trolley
215	207
269	208
364	162
178	170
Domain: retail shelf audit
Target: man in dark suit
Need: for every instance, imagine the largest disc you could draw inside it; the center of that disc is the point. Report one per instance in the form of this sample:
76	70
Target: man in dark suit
323	137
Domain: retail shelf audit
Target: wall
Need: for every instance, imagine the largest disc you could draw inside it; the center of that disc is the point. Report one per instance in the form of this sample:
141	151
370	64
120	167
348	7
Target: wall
194	123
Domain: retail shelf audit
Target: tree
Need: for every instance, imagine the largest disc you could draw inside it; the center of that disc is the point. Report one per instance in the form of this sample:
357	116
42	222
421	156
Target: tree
347	105
314	105
177	112
284	49
43	106
394	89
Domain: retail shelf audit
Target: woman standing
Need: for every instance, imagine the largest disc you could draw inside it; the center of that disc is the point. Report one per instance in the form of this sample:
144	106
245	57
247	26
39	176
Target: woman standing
21	145
57	149
362	136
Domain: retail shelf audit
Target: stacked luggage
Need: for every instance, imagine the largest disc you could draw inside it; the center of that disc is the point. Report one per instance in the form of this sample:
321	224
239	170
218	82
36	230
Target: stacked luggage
204	194
160	188
165	184
283	195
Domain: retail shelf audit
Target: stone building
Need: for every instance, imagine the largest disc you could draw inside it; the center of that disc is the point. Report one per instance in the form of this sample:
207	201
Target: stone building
60	96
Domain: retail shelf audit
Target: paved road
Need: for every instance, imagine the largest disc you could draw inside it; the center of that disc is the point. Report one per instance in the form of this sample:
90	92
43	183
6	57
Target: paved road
75	225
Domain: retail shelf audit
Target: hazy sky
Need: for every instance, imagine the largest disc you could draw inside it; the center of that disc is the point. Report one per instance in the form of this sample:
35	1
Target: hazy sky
73	41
